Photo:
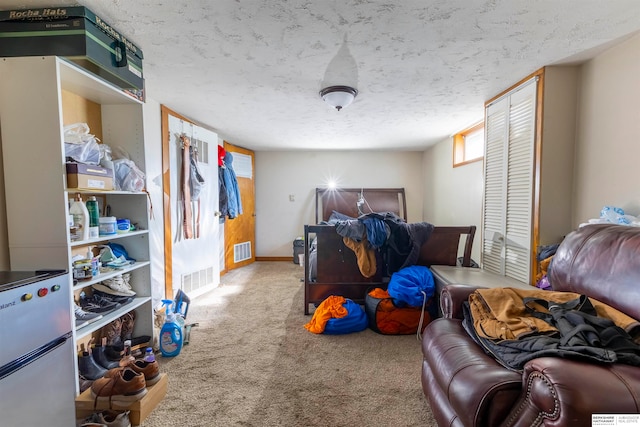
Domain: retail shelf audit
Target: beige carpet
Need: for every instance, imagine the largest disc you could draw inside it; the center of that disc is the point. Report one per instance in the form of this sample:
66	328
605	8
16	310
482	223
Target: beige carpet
250	362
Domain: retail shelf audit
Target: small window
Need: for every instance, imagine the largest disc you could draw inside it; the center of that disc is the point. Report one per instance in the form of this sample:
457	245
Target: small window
468	145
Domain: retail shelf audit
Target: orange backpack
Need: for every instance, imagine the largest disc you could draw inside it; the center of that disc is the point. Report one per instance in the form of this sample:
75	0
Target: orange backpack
387	319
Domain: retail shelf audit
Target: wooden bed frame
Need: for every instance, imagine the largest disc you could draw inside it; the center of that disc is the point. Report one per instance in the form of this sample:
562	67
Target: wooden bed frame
337	268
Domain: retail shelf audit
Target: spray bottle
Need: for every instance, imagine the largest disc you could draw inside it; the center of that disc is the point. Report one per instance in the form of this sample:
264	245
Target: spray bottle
171	332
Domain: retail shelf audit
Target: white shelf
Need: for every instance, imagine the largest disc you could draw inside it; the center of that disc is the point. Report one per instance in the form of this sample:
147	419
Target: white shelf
104	276
103	192
108	317
90	87
35	186
103	239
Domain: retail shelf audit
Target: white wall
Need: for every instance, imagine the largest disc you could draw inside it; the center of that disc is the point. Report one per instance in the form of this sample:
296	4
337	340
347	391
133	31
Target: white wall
153	164
4	235
298	173
607	149
452	196
608	145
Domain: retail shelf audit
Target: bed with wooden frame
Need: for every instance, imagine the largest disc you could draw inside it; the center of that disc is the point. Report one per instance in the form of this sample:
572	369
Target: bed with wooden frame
335	265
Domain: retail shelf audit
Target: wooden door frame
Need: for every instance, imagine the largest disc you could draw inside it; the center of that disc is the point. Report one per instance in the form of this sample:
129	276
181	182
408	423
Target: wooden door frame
166	197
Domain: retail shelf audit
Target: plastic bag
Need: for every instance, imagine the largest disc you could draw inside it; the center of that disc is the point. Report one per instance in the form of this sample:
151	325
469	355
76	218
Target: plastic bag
128	176
80	146
615	215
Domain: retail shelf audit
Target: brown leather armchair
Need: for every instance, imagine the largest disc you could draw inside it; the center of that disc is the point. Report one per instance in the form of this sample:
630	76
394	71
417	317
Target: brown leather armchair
467	387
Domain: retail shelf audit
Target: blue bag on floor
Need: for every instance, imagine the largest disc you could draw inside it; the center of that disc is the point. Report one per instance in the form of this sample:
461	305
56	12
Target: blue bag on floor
411	286
355	321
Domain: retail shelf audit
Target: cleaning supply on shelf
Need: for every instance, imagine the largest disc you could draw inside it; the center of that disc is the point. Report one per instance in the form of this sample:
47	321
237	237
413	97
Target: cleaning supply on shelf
127	357
95	267
171	332
80	217
148	355
94	216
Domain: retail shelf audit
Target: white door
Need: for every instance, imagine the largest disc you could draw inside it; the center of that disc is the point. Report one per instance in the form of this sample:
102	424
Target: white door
195	258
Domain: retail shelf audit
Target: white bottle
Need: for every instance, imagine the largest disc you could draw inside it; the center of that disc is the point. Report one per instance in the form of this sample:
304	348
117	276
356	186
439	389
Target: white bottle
80	217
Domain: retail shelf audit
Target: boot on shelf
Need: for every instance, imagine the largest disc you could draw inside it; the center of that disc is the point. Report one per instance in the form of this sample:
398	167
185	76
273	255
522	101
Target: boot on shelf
113	333
100	356
128	321
89	368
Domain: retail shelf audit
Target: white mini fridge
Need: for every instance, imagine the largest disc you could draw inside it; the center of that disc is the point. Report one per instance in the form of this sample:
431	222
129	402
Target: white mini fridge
37	375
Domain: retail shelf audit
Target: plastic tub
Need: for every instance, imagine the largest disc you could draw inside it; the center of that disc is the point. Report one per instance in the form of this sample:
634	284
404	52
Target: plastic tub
123	226
107	225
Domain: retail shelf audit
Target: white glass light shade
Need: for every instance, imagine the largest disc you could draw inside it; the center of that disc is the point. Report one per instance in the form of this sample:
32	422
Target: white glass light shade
338	96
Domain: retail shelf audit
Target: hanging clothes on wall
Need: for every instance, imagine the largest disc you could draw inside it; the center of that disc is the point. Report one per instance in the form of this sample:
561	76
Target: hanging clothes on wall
223	200
233	192
196	182
185	183
191	181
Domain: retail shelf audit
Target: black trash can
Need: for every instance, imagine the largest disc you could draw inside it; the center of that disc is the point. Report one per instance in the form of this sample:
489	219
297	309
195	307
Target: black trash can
298	249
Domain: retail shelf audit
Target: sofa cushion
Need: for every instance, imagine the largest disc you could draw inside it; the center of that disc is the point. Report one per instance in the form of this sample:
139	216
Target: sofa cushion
467	375
601	261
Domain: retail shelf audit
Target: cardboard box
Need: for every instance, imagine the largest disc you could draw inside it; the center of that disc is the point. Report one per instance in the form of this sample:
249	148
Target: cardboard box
139	410
77	34
89	177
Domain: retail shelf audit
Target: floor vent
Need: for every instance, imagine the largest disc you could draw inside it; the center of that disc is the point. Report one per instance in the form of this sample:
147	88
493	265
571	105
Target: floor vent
197	279
241	252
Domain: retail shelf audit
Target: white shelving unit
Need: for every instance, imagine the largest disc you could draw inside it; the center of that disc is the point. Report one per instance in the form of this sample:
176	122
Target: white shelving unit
38	97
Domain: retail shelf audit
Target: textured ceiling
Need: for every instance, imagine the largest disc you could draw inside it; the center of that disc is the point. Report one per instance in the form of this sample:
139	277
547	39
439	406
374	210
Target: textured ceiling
252	70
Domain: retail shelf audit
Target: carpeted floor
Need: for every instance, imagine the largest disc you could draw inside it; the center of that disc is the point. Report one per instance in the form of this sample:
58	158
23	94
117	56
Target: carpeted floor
250	362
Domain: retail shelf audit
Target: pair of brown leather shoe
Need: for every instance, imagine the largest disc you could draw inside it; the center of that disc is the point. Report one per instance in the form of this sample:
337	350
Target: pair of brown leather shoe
150	370
119	385
126	384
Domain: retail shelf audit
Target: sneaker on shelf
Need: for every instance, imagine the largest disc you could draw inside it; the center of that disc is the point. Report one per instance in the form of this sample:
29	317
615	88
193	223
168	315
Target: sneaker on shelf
83	318
97	304
118	285
124	387
106	292
107	419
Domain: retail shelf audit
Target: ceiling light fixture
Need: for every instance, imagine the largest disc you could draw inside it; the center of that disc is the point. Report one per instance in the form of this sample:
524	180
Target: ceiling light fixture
338	96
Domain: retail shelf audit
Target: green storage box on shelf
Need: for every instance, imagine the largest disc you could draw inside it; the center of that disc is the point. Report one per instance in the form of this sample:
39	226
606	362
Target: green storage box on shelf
77	34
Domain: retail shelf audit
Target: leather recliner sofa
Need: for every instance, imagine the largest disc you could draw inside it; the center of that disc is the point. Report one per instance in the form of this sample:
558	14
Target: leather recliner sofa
467	387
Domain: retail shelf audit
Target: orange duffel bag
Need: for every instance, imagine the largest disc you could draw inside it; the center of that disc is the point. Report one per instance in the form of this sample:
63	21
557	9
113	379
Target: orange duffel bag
387	319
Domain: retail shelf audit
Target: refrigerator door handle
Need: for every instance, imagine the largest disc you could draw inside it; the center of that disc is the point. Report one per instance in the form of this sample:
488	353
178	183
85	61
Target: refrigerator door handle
32	356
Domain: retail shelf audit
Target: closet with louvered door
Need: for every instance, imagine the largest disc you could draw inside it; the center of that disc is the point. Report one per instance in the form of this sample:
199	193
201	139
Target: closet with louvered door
529	144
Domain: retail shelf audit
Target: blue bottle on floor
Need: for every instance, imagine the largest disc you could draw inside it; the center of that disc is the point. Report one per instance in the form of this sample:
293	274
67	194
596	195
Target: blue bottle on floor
171	333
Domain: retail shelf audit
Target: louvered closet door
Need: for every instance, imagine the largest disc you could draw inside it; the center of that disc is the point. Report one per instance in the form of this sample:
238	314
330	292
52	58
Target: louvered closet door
508	198
493	231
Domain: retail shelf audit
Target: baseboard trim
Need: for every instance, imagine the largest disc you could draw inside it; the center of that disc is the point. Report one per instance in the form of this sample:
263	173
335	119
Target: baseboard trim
274	258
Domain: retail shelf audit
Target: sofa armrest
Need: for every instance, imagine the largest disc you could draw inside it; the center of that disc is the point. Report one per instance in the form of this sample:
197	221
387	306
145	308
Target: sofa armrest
568	392
452	297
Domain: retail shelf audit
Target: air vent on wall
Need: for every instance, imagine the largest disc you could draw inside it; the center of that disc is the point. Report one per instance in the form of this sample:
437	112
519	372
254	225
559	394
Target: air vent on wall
241	252
197	279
